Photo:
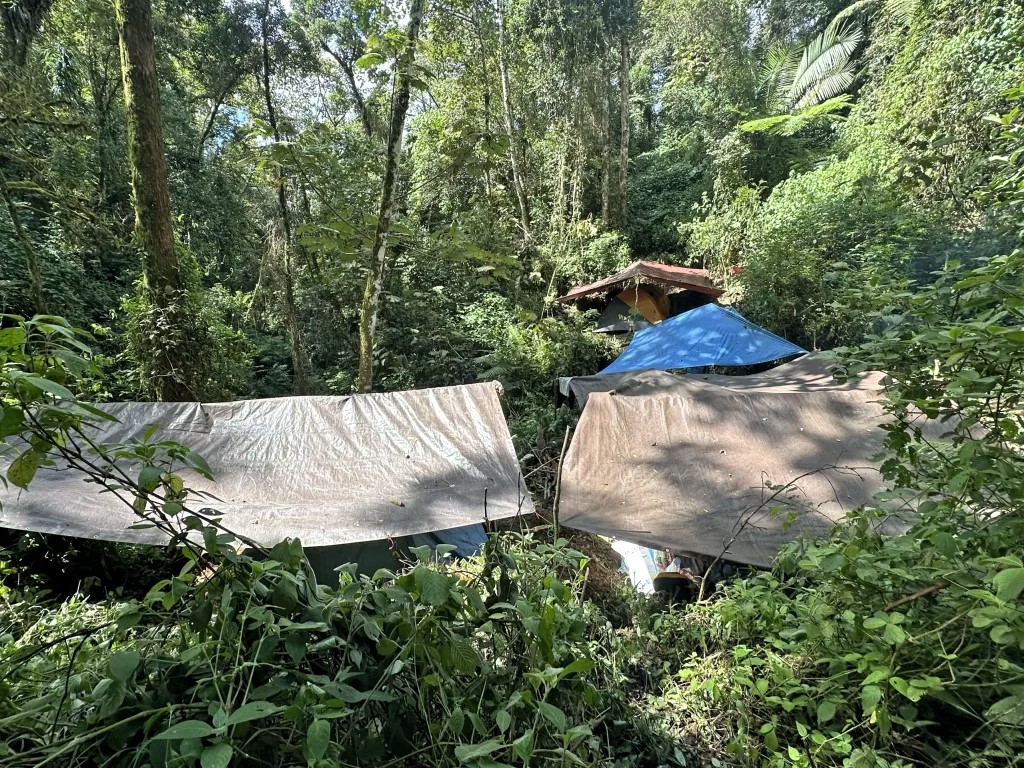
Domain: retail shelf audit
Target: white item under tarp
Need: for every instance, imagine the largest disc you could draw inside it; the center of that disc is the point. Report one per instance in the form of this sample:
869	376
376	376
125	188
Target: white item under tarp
640	564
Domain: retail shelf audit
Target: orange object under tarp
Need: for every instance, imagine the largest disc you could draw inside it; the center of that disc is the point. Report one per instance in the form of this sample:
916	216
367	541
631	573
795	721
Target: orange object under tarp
653	306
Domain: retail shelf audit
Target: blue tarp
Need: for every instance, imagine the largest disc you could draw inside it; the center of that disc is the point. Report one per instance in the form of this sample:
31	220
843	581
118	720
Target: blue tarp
705	336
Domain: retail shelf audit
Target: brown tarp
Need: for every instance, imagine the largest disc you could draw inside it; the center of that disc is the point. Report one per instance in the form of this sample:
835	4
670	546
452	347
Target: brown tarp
693	466
328	470
691	279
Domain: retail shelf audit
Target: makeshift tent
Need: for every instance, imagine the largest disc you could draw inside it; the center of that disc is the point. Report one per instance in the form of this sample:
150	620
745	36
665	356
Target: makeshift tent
732	471
666	276
706	336
331	471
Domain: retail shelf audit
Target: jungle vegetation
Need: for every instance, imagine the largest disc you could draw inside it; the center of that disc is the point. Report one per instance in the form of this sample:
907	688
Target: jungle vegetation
223	199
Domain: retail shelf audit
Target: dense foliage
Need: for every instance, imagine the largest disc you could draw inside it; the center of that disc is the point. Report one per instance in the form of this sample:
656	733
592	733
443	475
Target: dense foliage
851	172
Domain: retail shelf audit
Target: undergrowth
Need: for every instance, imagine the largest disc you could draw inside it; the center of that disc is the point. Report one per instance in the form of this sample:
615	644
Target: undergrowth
491	662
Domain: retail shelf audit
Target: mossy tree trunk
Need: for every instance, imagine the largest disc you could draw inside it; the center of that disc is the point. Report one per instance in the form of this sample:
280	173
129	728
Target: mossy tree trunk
388	199
165	283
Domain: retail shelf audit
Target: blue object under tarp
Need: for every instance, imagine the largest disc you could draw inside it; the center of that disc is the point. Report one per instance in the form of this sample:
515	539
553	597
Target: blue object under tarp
705	336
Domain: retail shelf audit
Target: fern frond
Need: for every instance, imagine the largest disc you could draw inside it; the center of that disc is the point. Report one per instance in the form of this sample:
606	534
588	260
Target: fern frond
763	123
800	120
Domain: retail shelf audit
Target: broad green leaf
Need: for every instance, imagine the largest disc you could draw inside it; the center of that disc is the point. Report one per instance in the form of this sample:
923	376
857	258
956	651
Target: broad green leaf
295	644
23	468
581	666
10	421
198	463
503	720
464	656
1009	711
433	585
149	478
124	664
826	711
468	752
368	60
12	337
50	387
216	756
523	746
253	710
1009	583
186	729
318	738
552	714
870	695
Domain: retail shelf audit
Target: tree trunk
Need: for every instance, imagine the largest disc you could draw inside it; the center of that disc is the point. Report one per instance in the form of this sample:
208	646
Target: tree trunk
606	155
21	21
300	364
151	197
357	96
624	131
485	83
388	199
513	143
35	278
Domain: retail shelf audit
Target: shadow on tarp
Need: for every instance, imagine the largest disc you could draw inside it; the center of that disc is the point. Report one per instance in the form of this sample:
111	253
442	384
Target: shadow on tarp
688	467
329	471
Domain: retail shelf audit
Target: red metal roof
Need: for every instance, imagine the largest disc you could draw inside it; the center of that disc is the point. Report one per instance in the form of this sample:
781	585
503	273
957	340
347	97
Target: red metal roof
698	280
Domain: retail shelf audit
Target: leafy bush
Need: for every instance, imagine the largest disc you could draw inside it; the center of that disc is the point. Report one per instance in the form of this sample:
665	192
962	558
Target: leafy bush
243	658
870	650
600	256
492	662
819	234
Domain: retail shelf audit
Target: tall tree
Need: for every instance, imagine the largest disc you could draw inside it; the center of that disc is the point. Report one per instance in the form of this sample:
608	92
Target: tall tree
300	364
388	198
21	20
606	152
165	282
624	63
515	157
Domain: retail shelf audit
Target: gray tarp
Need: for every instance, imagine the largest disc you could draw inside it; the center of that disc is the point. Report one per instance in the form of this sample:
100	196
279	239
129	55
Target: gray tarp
809	373
680	463
328	470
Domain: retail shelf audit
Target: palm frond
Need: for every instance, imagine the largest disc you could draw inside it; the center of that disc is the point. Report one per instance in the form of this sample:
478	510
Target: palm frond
776	75
825	65
826	88
902	11
852	10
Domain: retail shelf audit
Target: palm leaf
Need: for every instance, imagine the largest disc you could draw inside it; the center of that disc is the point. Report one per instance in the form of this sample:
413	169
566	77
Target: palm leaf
826	88
777	75
826	67
852	10
901	10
